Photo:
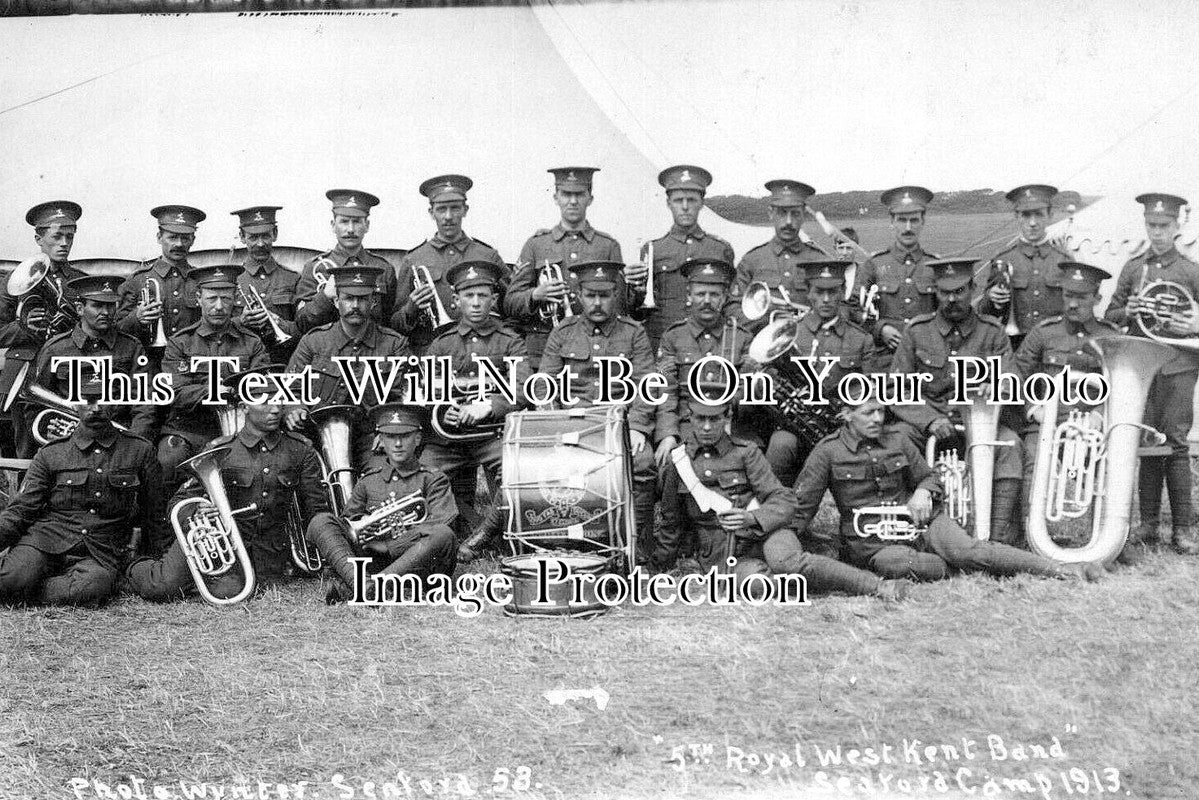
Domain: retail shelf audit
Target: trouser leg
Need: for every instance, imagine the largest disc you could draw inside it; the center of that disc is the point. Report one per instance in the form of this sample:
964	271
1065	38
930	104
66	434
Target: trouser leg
84	582
161	579
782	453
22	570
433	553
785	556
645	479
902	561
962	551
326	532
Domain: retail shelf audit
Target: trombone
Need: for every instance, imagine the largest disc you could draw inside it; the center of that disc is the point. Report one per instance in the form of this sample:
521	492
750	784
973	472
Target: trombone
152	293
436	311
254	300
554	310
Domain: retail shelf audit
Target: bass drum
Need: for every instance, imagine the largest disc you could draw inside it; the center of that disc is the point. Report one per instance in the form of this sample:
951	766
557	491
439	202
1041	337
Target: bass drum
567	482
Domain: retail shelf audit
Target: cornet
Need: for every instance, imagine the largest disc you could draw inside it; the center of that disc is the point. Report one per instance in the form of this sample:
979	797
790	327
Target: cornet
152	293
254	300
1004	280
208	534
758	301
649	301
554	310
436	311
390	519
888	522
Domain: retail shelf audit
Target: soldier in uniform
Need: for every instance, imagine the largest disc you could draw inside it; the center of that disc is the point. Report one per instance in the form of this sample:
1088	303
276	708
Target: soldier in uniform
354	335
955	329
685	188
534	305
315	300
422	548
779	262
1059	342
901	273
448	247
763	539
863	464
68	528
600	332
705	332
54	226
176	303
274	471
825	332
96	336
190	423
258	229
1023	283
477	334
1169	408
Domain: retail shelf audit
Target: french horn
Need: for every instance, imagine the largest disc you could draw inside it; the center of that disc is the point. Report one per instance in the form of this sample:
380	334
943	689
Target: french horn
39	291
1108	459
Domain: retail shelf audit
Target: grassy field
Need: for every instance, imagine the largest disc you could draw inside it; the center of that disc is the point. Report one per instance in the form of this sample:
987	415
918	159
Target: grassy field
345	702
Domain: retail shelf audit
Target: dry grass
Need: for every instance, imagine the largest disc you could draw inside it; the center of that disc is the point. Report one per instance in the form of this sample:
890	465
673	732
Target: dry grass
287	689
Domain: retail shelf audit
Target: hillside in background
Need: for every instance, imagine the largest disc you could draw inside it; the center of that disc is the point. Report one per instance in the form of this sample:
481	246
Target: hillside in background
866	205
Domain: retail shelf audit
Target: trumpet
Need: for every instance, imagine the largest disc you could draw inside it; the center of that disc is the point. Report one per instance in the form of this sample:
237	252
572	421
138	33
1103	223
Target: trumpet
334	423
649	301
152	293
759	300
58	419
436	311
254	300
554	310
40	291
1081	468
888	522
208	533
390	519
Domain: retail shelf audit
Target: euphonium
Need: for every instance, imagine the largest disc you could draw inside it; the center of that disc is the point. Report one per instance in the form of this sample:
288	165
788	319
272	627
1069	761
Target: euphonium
759	301
649	301
887	522
152	293
231	418
59	417
436	311
773	346
462	388
211	541
254	300
31	281
968	483
955	483
1129	363
334	423
390	519
554	310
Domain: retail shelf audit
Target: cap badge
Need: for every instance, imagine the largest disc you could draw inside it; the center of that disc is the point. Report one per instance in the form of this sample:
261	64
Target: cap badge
1078	275
949	269
907	198
216	273
258	217
107	287
358	278
686	176
570	176
352	202
179	218
599	272
825	273
472	273
1028	192
58	212
1160	206
708	269
395	418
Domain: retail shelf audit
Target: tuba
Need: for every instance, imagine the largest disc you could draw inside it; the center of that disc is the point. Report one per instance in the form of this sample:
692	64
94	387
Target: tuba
152	293
967	484
254	300
208	533
1078	468
557	310
887	522
436	311
57	419
39	291
390	519
334	424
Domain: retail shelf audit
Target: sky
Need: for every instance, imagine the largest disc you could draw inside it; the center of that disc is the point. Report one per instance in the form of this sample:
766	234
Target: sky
123	112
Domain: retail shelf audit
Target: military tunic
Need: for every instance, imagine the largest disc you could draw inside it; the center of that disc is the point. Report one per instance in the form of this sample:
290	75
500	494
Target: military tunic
11	332
905	286
683	344
565	248
1036	282
776	263
317	309
277	284
670	287
180	308
438	256
1142	271
75	513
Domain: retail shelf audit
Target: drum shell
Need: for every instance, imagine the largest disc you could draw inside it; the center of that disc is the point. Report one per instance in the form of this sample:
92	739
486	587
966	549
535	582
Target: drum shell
523	571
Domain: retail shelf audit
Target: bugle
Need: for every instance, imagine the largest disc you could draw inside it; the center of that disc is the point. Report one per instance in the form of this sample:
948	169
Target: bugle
334	425
554	310
438	316
390	519
649	301
208	534
152	293
1129	364
253	300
